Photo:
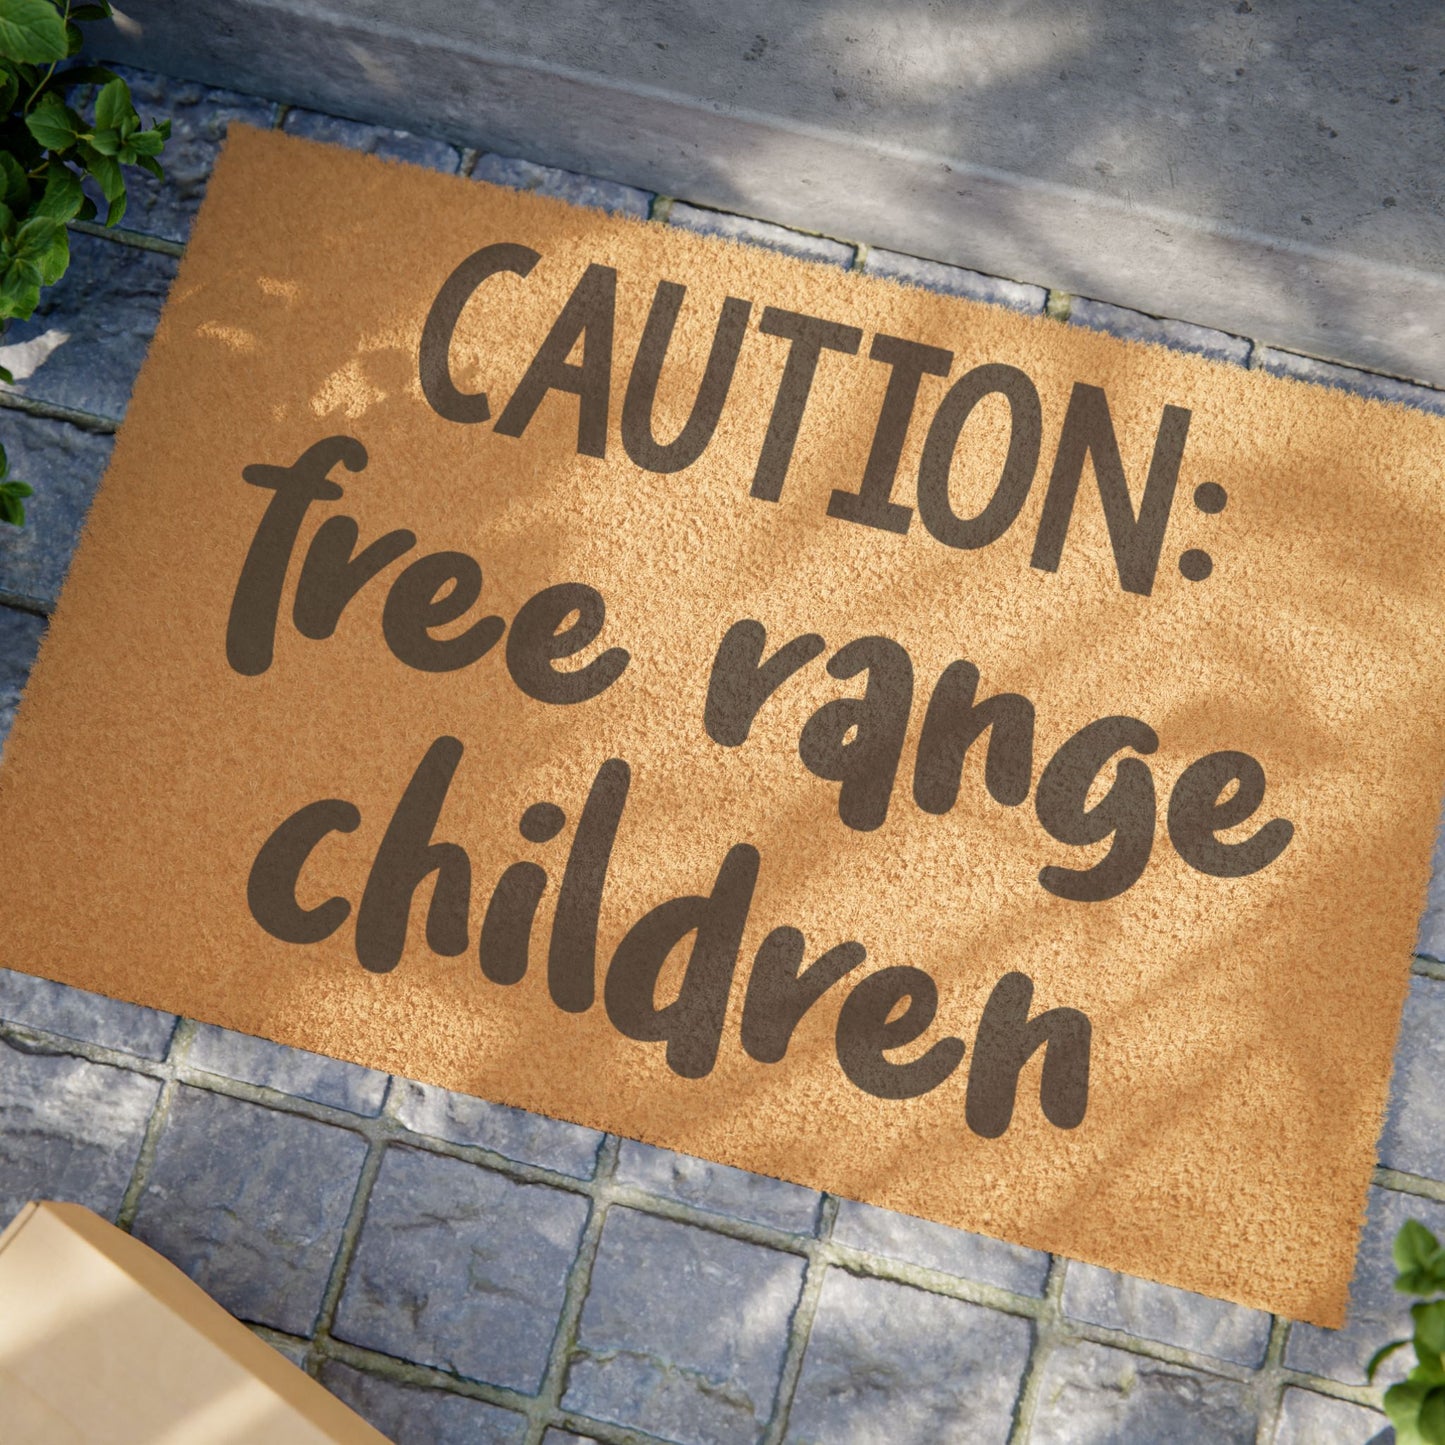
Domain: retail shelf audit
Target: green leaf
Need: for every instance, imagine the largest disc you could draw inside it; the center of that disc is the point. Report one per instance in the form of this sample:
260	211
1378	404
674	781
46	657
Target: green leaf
1432	1417
9	90
14	187
63	196
113	105
4	460
7	221
1430	1326
12	510
1414	1246
107	142
106	172
151	164
1380	1356
91	12
1402	1405
116	210
35	237
31	30
14	488
74	39
87	210
56	258
52	122
147	142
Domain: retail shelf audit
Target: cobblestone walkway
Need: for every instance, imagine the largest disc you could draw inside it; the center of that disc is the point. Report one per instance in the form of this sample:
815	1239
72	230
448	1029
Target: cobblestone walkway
459	1271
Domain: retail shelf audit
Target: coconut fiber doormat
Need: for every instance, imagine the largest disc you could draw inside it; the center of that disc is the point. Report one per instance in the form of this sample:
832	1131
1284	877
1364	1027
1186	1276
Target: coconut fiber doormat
940	756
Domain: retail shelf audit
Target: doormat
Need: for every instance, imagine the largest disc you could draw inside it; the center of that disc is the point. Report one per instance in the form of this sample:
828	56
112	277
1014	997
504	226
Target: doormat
941	756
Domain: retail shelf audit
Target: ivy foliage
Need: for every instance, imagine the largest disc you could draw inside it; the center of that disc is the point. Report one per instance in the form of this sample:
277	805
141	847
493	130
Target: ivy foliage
1416	1406
47	150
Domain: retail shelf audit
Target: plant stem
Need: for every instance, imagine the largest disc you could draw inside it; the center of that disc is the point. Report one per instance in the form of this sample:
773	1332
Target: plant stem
45	79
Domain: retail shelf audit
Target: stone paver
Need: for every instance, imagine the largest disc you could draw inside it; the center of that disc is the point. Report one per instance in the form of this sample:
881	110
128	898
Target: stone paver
90	1017
64	464
199	117
684	1331
1414	1135
936	1246
718	1187
376	140
1378	1313
1093	1395
461	1268
1346	378
1180	335
1306	1418
413	1415
290	1071
953	280
513	1133
250	1203
761	233
520	175
85	343
1171	1316
69	1130
20	634
886	1362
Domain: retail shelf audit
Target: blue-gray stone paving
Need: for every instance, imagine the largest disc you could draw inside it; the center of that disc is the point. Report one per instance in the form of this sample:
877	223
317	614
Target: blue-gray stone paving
250	1202
889	1362
64	464
93	326
461	1271
461	1268
685	1331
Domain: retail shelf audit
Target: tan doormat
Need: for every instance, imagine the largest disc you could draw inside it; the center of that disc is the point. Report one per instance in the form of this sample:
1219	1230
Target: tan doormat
936	755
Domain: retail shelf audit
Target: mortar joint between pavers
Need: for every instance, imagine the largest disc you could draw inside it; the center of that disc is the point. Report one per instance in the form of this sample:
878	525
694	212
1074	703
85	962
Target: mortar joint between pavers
630	1196
407	1372
1403	1183
49	411
180	1044
19	602
1045	1325
1366	1395
124	236
350	1234
800	1325
1425	967
1269	1385
30	1040
548	1402
868	1265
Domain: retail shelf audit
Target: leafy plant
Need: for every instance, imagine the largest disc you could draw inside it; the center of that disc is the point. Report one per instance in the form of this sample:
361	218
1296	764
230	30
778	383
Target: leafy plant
46	151
12	493
1416	1406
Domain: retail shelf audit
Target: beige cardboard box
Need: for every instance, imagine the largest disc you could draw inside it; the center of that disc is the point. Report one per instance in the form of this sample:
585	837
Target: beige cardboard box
103	1342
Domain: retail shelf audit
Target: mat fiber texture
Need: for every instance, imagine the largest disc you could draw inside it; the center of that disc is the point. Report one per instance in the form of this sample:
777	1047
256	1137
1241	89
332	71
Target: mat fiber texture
929	753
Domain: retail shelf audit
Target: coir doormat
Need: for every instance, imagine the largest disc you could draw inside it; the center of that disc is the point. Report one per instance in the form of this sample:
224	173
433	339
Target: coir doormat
941	756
